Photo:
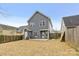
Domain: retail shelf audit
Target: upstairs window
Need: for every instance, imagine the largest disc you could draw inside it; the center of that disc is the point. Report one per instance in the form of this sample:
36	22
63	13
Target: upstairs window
31	24
42	23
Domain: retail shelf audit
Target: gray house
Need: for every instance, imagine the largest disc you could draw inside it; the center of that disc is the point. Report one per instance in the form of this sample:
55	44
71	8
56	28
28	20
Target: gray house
39	26
70	30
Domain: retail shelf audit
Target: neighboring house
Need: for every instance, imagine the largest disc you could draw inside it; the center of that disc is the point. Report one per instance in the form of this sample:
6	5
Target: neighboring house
70	29
7	30
22	30
39	26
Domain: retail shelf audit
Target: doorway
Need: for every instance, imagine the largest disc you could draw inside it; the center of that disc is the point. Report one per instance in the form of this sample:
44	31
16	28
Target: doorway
43	34
25	33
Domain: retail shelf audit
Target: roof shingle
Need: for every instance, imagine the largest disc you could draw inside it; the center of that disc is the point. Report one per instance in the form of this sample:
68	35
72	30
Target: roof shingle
71	21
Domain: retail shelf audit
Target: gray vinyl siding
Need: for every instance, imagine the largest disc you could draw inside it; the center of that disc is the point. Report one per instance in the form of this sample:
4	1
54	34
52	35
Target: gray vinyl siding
37	20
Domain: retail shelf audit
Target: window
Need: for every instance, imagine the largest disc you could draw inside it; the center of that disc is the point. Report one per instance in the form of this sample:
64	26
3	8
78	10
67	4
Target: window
42	23
31	24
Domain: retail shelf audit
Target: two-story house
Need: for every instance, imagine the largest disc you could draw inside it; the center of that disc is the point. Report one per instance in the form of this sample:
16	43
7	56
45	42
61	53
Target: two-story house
39	26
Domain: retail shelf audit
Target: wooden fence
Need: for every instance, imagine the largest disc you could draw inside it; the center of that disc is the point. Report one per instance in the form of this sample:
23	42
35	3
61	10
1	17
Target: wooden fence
55	35
7	38
72	37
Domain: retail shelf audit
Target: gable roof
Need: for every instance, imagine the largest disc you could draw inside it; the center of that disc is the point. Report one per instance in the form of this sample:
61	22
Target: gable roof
71	21
37	12
7	27
21	28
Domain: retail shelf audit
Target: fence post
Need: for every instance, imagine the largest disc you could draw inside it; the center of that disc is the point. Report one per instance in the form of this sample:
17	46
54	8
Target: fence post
3	38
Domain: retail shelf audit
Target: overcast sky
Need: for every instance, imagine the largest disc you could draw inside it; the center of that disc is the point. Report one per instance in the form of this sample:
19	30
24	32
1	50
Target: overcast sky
18	14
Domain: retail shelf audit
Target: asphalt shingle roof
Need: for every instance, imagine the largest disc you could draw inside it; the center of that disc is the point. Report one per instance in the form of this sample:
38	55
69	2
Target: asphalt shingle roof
71	21
21	28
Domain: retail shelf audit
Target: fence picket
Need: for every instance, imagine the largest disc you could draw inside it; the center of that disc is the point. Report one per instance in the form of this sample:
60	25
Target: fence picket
9	38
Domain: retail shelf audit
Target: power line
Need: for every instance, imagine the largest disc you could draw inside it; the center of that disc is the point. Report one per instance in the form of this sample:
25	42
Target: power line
4	12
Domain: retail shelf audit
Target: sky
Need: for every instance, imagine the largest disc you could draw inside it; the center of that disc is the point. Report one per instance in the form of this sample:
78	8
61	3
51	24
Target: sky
18	14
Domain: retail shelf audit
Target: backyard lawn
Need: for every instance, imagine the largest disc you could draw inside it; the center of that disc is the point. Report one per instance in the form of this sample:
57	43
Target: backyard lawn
36	48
